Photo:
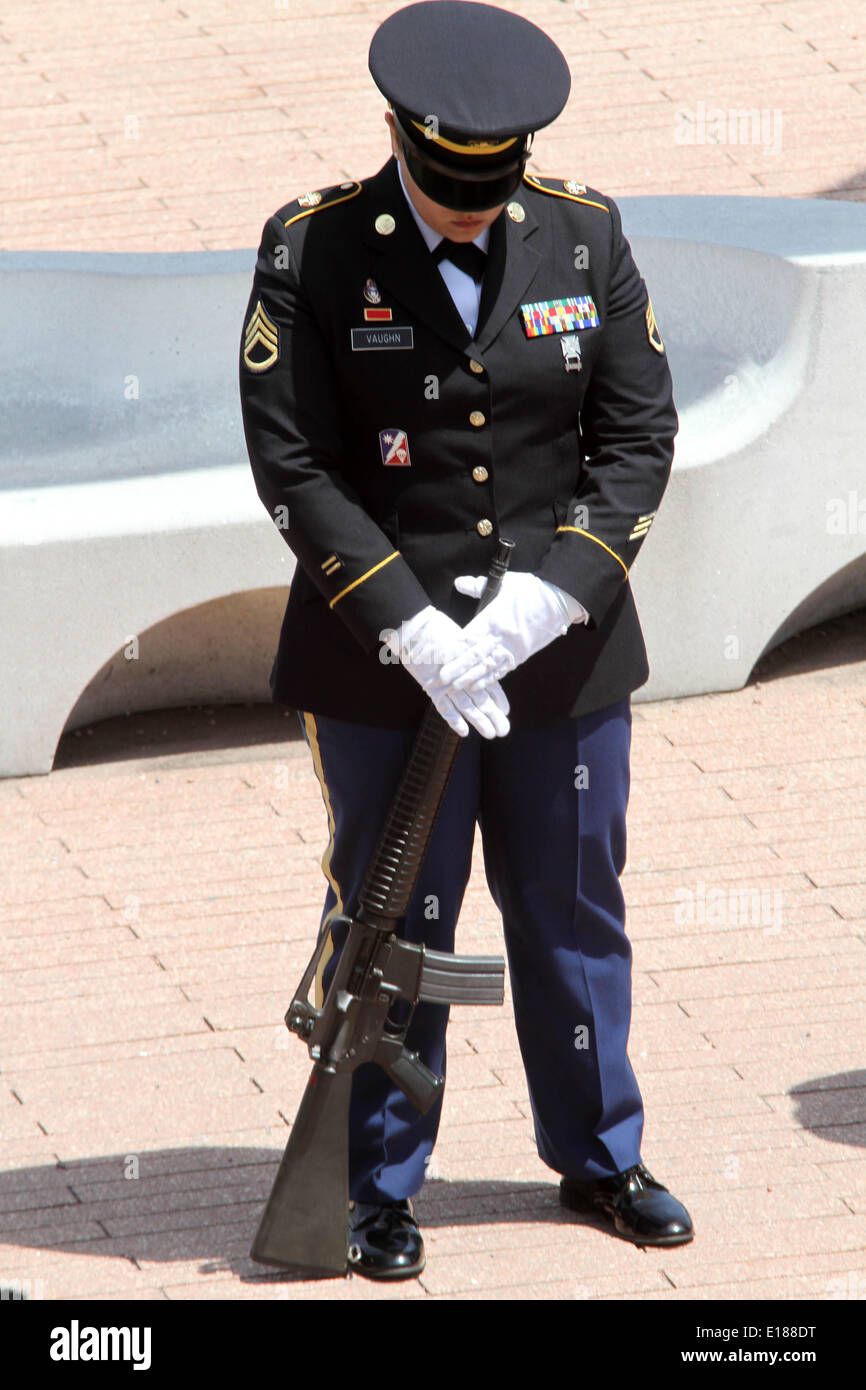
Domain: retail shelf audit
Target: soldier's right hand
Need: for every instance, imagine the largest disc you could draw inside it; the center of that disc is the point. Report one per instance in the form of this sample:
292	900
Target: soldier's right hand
427	642
486	710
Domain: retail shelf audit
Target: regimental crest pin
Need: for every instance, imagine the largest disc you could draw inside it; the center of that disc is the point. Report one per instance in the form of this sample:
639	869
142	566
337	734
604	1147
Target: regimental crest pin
394	448
309	200
261	340
372	293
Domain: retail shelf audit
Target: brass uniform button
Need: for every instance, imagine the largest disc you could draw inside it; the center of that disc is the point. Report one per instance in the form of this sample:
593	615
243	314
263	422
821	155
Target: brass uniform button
480	474
384	224
484	527
475	366
477	418
515	212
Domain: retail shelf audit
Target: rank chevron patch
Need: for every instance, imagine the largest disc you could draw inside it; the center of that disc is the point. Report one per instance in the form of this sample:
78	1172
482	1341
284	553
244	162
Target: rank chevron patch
261	333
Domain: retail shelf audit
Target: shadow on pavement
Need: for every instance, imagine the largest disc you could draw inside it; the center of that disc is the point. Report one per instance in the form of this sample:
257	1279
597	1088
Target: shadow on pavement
833	1107
205	1203
186	737
840	642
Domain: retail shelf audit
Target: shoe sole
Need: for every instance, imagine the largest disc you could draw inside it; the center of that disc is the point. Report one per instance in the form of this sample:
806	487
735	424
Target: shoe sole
586	1207
405	1272
658	1241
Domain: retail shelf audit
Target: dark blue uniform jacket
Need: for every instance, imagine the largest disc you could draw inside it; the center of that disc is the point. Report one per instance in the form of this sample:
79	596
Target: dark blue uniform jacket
485	436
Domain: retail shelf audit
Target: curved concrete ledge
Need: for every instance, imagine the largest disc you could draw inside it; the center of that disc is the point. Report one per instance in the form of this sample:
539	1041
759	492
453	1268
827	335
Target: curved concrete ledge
767	501
88	571
138	567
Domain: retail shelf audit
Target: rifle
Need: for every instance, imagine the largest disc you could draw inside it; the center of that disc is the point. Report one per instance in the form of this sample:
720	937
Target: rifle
305	1224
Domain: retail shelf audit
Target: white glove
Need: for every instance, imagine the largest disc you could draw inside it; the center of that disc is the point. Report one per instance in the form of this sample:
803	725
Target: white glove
525	616
424	644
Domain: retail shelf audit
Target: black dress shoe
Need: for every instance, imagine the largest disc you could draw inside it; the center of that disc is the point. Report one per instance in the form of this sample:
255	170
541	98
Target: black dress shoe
384	1240
642	1210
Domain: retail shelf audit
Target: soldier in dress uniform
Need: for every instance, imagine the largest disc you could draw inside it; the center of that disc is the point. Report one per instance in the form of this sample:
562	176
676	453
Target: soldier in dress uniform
448	351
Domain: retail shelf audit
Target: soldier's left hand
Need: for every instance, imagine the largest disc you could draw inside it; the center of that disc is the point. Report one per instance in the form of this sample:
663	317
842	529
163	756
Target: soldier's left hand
525	616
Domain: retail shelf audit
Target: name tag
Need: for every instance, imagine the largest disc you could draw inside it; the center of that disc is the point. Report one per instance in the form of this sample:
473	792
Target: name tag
371	339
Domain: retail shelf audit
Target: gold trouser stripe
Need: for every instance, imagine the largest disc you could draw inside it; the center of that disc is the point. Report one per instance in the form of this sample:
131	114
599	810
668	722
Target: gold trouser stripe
355	582
580	531
554	193
320	207
313	736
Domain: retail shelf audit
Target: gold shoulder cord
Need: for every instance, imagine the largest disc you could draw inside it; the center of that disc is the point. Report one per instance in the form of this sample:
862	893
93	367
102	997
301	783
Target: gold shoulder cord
557	193
322	202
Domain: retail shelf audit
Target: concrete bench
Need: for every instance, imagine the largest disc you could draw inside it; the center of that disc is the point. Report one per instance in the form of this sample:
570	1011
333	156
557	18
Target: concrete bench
139	570
762	531
137	565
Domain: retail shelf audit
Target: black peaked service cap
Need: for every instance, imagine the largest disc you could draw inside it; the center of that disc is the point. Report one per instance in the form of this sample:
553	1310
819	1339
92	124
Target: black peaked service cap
468	85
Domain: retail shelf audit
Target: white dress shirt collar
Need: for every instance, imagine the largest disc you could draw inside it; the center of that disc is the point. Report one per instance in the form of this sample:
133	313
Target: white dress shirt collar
464	291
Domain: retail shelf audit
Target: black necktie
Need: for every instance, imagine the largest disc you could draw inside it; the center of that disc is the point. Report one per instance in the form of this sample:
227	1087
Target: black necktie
464	254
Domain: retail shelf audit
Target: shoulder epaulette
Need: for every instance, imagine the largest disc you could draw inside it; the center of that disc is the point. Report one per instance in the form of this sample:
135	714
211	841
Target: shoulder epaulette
318	200
564	188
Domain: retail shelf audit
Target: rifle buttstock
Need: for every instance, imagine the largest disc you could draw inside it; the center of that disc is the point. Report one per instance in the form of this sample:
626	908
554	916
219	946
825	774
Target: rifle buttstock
305	1225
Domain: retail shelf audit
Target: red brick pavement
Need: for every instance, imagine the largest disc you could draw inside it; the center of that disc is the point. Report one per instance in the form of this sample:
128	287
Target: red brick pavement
162	887
184	128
